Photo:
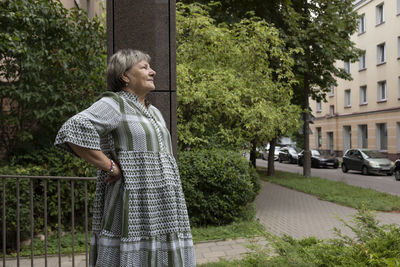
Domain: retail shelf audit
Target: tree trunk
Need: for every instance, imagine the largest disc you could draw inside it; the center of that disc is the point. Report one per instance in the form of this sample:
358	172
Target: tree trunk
253	153
271	160
306	131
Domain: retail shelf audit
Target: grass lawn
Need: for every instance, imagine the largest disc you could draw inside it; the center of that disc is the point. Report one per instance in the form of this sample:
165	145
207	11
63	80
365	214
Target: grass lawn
337	192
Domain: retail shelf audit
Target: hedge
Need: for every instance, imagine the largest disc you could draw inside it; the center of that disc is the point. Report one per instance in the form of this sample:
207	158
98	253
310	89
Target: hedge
218	185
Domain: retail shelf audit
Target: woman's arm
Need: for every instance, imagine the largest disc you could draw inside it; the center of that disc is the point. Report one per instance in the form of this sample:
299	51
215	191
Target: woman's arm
99	160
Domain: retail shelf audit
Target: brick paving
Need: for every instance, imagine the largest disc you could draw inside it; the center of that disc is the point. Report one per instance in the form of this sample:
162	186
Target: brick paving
280	210
230	249
285	211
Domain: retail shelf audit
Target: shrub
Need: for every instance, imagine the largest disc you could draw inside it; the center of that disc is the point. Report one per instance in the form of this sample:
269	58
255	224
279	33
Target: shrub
53	63
372	245
218	185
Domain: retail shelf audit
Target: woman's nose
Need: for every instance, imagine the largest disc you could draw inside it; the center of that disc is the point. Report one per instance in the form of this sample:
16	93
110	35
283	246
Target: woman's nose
152	72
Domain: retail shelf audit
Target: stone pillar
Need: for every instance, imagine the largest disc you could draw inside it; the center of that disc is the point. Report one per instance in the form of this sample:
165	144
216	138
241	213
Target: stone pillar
149	25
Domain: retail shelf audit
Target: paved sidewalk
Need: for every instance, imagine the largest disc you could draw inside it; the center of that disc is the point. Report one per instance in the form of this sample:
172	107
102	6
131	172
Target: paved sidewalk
285	211
231	249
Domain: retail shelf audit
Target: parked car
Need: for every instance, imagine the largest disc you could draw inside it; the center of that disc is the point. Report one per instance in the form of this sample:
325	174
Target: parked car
397	169
367	161
264	153
319	159
276	153
288	153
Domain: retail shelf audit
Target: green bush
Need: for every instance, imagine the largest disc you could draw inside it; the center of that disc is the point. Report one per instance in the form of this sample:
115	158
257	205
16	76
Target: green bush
53	63
372	245
46	162
218	185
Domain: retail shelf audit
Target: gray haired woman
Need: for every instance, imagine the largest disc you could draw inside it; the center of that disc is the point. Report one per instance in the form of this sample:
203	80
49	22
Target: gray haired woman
139	214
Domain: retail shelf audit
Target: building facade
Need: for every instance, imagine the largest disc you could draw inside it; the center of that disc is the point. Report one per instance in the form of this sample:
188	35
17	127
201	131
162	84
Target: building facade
92	7
365	112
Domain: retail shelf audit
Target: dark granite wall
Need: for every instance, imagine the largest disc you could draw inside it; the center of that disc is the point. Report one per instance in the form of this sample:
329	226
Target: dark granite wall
149	25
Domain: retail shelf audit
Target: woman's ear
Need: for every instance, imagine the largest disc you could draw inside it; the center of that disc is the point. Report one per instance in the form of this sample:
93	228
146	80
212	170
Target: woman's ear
124	78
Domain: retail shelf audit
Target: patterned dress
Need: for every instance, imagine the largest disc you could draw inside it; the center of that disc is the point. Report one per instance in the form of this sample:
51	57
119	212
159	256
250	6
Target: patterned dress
140	220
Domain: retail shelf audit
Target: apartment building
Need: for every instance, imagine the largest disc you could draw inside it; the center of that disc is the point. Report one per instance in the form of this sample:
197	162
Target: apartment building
92	7
365	112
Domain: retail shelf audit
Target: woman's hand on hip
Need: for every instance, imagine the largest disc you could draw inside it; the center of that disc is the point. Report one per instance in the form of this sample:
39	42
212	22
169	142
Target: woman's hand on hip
117	173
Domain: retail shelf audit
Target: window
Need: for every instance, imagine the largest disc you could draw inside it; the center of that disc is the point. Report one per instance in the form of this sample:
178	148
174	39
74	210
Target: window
88	9
382	91
361	24
398	46
319	106
381	136
329	141
398	136
381	53
363	136
361	63
347	98
399	87
319	138
379	14
398	6
363	95
346	137
332	110
347	66
331	90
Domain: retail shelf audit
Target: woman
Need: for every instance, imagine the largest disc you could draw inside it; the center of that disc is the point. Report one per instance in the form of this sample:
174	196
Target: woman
139	216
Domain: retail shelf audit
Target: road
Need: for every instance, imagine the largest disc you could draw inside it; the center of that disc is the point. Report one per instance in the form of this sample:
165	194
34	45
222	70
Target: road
385	184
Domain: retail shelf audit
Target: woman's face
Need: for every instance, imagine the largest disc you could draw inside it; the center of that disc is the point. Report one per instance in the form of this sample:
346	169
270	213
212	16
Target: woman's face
140	77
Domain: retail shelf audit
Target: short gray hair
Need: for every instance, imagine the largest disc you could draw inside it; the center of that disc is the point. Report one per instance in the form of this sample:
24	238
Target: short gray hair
121	62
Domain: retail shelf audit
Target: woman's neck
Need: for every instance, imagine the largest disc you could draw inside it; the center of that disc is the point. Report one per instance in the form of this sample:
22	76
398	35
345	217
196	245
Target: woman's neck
141	96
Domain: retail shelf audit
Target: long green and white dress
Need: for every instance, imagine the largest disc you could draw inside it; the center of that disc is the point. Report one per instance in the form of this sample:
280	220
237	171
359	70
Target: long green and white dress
140	220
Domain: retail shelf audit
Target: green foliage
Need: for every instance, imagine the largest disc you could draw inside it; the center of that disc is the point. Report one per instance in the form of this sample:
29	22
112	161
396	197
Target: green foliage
338	192
218	186
56	162
46	162
322	29
52	65
234	81
52	245
372	244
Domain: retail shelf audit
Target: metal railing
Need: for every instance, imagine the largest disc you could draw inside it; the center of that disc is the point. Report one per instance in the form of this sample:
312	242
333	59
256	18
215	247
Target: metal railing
45	181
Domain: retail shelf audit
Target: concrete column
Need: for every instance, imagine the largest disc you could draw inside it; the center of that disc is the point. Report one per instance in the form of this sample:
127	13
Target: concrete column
149	25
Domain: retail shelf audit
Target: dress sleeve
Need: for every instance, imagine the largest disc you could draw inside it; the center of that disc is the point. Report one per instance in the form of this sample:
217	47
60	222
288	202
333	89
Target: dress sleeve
86	128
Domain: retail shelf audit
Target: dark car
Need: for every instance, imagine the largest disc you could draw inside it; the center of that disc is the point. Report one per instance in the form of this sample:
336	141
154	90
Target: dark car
319	159
397	170
288	153
367	161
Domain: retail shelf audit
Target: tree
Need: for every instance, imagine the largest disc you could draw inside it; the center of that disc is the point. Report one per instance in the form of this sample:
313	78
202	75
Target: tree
52	64
230	92
320	28
323	31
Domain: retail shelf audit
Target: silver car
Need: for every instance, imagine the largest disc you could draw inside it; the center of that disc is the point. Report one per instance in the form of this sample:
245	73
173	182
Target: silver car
367	161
